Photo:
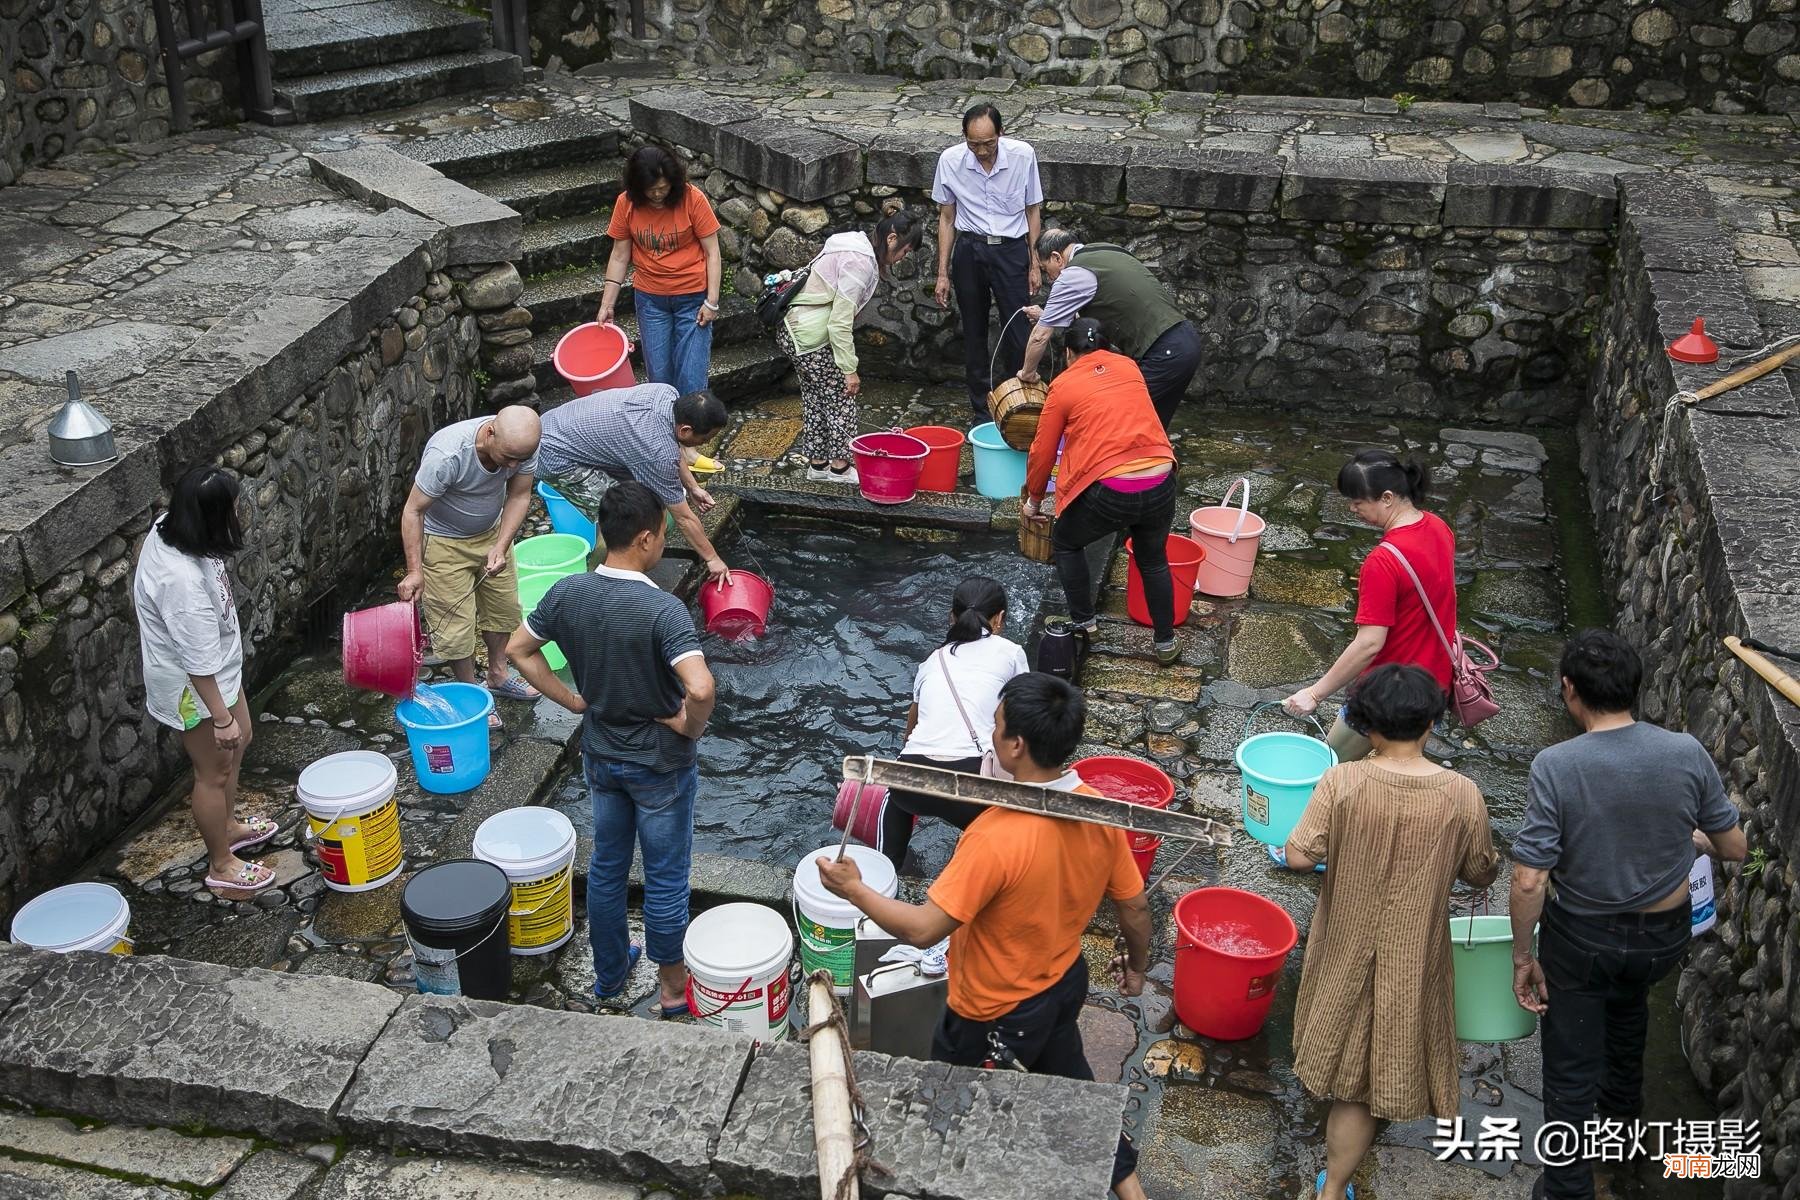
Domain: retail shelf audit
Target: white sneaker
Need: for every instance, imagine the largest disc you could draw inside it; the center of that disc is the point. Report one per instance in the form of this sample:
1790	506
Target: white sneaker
827	475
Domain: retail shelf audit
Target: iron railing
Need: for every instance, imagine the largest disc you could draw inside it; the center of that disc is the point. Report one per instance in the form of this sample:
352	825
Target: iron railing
213	25
512	32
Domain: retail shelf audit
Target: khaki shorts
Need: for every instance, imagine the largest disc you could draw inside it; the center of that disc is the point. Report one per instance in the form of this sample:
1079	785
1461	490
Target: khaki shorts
457	608
1346	742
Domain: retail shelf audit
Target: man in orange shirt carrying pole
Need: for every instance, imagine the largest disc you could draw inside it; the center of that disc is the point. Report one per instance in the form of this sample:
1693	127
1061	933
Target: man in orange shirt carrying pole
1014	901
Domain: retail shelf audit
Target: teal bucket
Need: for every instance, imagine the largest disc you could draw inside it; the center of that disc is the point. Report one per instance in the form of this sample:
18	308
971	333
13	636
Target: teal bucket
1481	954
1279	772
999	469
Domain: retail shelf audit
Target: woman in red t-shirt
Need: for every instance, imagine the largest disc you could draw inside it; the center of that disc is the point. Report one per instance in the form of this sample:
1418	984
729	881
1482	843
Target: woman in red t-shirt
663	225
1391	624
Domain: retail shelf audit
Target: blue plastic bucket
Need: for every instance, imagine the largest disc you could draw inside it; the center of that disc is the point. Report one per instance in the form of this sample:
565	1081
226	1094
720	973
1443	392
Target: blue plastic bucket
565	517
999	469
1279	772
449	758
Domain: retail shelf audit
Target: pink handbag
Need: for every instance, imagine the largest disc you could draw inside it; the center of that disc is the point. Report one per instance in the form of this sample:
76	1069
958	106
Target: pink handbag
1471	694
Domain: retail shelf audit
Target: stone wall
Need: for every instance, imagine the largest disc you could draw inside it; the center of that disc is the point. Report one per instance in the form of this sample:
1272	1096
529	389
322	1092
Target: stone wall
77	74
1368	286
1695	514
1722	56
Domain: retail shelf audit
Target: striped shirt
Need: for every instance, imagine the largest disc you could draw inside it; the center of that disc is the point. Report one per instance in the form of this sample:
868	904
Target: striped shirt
629	433
623	637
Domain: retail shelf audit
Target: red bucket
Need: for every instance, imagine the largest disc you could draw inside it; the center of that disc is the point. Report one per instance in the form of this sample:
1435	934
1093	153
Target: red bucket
1135	782
887	466
944	459
1229	949
384	647
594	358
864	816
737	609
1185	557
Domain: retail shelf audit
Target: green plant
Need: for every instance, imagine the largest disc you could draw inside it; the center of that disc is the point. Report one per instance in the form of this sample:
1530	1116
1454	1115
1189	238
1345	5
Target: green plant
1405	100
1755	864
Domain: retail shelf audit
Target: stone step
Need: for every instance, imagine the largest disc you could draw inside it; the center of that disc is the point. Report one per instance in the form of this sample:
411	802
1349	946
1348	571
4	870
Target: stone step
552	192
396	85
572	139
316	42
748	369
567	298
547	246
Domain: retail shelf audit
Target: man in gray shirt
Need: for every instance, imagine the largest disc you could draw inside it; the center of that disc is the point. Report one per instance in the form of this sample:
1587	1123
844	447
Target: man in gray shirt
1613	821
635	433
467	502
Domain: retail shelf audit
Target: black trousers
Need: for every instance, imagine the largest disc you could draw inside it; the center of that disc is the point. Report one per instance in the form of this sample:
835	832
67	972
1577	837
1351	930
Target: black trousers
1169	366
902	807
1100	510
1599	971
980	273
1044	1035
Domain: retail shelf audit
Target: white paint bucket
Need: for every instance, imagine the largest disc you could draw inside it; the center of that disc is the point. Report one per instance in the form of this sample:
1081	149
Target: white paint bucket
827	924
536	848
738	957
1700	895
76	916
352	819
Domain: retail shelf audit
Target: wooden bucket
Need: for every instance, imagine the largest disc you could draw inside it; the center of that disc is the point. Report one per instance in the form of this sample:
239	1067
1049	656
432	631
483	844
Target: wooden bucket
1034	537
1015	408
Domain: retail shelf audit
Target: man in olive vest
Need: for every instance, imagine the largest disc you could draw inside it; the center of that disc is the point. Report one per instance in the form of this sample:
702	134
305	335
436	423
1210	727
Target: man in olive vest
1104	281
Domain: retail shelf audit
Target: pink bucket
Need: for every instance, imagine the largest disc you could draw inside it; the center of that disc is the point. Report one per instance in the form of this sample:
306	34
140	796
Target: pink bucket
865	816
888	466
1231	537
594	358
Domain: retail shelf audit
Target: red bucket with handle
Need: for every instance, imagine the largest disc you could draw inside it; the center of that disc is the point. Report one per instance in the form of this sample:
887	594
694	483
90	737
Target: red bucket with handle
1135	782
594	358
737	609
888	466
1229	949
384	647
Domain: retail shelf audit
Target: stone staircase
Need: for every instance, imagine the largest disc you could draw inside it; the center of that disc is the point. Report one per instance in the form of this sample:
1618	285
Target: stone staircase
334	59
562	175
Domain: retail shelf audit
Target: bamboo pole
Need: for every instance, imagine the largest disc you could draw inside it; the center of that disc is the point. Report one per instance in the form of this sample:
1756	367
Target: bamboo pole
1773	675
834	1141
1755	370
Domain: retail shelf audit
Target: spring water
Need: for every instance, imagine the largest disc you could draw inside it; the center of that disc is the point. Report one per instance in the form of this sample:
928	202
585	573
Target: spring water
439	710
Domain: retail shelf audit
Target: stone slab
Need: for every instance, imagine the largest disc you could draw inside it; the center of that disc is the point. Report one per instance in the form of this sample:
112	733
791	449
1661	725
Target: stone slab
55	520
29	248
948	1132
375	275
902	159
688	118
366	1175
47	1181
1206	179
479	229
621	1096
252	1051
279	345
102	354
271	1175
159	1154
1085	169
1524	197
19	969
1383	191
801	162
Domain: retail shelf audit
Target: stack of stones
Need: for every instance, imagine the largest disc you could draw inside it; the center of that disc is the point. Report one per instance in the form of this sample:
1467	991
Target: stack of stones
491	292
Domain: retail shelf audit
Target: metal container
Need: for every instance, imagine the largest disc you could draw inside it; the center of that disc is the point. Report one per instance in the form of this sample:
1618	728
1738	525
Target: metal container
79	435
903	1007
872	941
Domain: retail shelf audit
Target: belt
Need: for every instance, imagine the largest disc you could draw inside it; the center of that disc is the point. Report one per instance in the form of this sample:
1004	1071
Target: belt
991	239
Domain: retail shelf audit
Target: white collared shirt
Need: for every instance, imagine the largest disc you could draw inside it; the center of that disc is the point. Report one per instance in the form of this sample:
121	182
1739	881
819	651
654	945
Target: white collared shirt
989	202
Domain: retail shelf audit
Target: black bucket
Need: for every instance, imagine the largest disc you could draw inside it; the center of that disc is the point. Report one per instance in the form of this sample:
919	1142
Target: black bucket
456	920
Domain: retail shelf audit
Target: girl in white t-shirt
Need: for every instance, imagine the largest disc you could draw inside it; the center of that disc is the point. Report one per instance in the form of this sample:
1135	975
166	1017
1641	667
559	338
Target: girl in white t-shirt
951	721
194	662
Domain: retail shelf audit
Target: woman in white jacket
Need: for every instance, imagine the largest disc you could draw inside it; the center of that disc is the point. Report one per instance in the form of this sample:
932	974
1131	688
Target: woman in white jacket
193	659
816	335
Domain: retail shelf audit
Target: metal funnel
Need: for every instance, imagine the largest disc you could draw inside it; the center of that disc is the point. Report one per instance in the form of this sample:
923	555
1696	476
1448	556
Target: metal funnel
79	435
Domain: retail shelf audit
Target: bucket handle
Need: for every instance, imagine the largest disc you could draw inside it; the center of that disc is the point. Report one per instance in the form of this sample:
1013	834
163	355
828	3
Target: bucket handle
1243	510
693	1002
1250	720
1479	901
498	926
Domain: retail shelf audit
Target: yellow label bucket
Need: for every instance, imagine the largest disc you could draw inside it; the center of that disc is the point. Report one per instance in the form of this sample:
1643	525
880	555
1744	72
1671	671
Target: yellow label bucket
536	848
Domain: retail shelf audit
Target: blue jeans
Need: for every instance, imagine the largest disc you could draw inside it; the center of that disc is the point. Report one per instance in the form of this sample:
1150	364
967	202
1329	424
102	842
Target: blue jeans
676	351
655	809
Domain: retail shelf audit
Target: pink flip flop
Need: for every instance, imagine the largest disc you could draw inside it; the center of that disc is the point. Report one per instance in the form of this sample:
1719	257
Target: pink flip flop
261	830
253	878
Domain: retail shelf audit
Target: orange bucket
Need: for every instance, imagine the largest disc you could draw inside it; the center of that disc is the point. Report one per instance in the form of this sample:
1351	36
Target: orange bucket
594	358
1186	558
944	457
1232	537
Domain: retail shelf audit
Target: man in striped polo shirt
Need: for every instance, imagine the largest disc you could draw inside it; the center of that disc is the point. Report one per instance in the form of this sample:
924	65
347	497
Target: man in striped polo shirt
635	433
645	694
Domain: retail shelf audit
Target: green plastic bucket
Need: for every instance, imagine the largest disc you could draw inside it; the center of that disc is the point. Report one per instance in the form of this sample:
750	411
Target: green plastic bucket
553	554
531	590
1481	957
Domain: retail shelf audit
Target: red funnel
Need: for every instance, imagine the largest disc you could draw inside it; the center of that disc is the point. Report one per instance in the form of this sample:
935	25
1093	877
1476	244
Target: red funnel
1694	346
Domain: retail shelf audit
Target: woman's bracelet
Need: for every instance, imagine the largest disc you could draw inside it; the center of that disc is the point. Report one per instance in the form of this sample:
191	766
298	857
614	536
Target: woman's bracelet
618	283
229	722
709	304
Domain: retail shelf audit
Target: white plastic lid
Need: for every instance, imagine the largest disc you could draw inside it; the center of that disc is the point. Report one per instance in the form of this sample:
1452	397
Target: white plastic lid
742	939
525	839
65	917
353	779
821	905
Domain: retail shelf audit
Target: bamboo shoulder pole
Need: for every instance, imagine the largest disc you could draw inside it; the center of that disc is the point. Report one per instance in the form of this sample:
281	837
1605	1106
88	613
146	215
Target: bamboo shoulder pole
833	1138
1755	370
1776	678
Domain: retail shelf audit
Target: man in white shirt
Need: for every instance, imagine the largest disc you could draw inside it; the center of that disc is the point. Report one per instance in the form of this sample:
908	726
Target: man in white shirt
990	202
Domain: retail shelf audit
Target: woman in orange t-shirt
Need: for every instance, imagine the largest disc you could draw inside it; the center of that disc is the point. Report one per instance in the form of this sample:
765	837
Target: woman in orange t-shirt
664	226
1117	476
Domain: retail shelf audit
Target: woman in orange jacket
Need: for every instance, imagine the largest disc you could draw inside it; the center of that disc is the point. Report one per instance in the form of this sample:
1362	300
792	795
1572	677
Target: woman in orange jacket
1117	475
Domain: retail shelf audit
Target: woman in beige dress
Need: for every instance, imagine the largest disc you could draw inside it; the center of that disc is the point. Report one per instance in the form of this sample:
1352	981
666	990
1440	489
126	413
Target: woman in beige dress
1375	1023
